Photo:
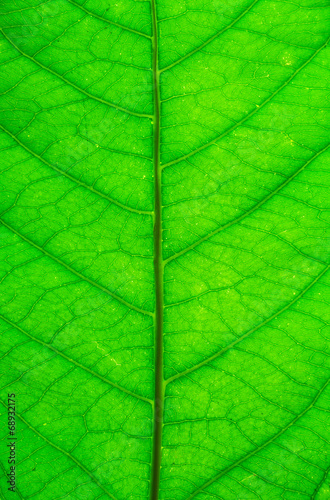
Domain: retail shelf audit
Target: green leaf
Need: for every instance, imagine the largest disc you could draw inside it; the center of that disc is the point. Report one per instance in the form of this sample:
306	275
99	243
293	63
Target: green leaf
164	302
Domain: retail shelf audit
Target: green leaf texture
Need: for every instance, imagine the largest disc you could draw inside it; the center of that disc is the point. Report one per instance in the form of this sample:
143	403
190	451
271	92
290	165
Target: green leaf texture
164	297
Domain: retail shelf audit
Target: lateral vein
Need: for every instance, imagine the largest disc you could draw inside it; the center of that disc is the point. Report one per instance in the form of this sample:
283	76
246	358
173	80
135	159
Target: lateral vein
200	47
74	179
74	362
249	115
261	447
77	273
318	487
57	75
90	13
247	334
249	212
80	465
159	271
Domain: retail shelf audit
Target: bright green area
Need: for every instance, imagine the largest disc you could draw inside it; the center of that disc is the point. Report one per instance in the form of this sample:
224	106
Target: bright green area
244	131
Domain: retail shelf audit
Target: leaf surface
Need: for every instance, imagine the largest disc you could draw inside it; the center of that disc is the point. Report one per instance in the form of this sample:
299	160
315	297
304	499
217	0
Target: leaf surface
164	305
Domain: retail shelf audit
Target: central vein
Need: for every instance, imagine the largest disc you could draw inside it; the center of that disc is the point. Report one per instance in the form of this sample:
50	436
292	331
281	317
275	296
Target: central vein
158	267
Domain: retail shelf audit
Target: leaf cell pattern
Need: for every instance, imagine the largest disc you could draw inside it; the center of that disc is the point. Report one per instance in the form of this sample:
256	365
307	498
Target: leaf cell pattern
165	304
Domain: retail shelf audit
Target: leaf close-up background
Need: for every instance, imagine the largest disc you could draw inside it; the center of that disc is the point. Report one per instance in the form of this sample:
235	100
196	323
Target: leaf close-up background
164	241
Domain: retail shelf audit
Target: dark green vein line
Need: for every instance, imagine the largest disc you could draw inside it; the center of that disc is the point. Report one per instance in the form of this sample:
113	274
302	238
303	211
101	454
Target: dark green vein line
74	179
261	447
249	115
159	271
74	362
273	39
268	481
322	409
6	476
77	273
289	243
318	487
247	334
200	47
80	465
249	212
90	13
71	84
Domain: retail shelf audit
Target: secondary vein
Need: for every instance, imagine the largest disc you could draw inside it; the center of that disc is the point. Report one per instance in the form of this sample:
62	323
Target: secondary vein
158	268
74	179
74	362
200	47
247	334
249	212
320	484
68	82
249	115
79	464
77	273
262	446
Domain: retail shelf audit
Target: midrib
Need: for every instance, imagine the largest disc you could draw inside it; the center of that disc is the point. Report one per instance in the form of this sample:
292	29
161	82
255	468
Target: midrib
158	267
